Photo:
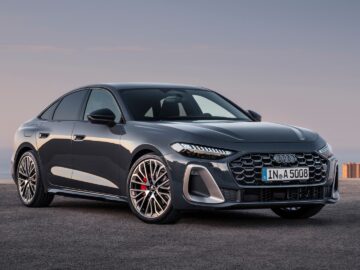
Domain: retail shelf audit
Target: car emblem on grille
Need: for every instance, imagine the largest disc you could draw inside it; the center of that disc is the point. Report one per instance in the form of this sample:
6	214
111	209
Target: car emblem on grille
285	158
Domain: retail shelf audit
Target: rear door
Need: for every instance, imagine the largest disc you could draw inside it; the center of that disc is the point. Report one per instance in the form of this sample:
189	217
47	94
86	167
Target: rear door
55	137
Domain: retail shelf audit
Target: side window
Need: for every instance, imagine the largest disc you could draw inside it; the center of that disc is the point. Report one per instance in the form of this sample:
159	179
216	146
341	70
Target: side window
102	99
209	107
48	114
70	106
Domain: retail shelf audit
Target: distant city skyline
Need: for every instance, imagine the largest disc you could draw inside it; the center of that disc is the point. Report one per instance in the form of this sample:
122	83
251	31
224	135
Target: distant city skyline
295	62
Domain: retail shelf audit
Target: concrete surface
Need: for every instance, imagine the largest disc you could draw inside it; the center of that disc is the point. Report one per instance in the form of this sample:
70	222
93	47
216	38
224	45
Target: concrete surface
82	234
6	181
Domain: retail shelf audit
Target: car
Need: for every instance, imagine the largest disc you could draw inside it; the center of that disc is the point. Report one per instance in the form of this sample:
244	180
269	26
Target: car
167	148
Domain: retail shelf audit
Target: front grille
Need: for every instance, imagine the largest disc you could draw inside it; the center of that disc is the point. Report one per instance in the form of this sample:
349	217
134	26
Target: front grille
247	170
277	194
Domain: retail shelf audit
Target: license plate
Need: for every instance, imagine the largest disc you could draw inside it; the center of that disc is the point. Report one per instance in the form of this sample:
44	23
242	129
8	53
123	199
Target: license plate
285	174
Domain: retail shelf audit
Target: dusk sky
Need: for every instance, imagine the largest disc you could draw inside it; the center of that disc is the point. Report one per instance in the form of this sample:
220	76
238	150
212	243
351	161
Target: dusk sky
294	62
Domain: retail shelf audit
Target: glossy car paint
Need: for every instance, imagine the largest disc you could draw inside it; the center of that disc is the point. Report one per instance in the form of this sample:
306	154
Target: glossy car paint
108	152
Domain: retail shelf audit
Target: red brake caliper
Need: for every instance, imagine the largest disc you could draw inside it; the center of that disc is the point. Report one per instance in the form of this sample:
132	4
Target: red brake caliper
143	187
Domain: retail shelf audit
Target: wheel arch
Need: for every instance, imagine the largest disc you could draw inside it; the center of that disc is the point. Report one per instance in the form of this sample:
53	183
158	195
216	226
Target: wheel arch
23	148
134	155
143	150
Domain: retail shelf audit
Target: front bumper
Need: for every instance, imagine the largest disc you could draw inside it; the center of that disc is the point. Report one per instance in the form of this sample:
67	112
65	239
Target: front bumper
221	191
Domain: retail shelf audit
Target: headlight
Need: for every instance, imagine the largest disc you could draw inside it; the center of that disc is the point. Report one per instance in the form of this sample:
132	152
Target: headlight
326	151
200	151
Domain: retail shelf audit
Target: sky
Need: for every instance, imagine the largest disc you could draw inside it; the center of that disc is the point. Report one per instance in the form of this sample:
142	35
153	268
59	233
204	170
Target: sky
294	62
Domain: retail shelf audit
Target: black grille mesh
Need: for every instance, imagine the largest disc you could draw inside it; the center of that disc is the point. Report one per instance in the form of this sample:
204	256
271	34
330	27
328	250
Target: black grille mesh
247	169
277	194
283	194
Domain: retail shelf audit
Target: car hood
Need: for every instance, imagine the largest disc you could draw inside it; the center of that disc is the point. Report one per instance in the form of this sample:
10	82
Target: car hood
232	131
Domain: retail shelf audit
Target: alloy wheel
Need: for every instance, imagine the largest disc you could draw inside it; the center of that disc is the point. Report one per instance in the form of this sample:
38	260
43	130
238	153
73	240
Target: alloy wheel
27	177
150	188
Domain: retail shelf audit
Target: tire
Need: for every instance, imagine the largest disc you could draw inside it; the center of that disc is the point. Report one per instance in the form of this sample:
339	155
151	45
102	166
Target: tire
149	191
300	212
29	183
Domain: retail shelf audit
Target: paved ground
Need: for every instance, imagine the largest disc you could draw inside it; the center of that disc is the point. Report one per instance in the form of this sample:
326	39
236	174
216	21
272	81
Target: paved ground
85	234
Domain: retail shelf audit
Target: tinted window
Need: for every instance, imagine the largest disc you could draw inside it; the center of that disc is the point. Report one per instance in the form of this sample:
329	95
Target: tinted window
102	99
70	106
211	108
48	114
179	104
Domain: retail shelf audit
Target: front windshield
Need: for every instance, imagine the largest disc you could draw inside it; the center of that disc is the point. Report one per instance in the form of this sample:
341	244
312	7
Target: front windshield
179	104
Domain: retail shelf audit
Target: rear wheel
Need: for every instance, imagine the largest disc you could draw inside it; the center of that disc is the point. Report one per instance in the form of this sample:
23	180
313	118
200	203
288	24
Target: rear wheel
149	191
29	183
298	212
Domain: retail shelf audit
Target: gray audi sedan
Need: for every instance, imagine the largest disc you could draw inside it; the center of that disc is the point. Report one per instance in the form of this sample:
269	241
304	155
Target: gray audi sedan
165	148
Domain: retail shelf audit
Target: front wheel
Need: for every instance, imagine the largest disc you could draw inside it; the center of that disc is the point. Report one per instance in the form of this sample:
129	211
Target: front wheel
297	212
149	191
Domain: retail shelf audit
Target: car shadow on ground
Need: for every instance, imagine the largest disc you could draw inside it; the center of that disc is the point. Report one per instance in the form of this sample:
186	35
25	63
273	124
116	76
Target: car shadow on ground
90	205
251	218
219	218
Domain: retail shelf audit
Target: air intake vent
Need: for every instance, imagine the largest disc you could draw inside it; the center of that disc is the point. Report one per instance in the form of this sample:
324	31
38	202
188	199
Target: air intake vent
197	185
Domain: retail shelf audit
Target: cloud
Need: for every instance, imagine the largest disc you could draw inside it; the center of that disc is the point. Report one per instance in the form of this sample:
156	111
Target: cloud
190	48
33	48
46	48
119	49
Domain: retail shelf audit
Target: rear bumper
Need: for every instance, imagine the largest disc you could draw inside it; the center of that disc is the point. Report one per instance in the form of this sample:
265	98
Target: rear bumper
221	191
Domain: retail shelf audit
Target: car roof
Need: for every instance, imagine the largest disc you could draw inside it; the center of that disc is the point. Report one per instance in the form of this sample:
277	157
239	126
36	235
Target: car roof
144	85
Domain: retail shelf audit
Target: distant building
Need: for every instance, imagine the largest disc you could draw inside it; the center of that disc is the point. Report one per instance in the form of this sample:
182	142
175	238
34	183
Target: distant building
351	170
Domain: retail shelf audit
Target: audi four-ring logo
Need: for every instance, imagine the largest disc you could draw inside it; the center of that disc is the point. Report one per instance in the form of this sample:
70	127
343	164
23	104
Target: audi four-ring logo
285	158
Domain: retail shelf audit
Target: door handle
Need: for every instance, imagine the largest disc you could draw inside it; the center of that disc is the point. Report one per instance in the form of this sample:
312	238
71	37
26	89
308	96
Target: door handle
78	137
43	135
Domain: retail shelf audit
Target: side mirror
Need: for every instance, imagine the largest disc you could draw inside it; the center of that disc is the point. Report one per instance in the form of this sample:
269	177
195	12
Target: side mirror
255	116
102	116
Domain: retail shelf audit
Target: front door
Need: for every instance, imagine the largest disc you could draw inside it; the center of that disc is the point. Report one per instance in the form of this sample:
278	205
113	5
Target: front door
97	149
